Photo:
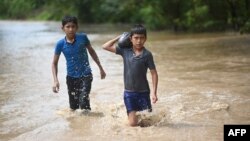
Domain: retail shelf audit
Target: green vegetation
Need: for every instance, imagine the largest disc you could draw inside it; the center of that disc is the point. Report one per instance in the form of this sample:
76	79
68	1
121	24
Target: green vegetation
176	15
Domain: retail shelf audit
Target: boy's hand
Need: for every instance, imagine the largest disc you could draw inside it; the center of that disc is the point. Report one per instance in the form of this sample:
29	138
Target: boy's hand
154	98
103	74
56	87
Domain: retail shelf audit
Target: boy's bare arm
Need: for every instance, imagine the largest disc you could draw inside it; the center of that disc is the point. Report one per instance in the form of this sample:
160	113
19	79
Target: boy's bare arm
110	45
155	85
96	59
56	84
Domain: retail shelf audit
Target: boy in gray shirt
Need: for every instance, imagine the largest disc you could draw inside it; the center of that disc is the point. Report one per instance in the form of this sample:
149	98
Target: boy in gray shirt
137	60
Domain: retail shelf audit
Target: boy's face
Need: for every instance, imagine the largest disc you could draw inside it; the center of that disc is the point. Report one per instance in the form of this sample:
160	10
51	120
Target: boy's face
138	40
70	29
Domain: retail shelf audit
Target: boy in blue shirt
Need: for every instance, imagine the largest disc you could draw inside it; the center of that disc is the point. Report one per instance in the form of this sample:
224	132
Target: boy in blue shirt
137	60
74	46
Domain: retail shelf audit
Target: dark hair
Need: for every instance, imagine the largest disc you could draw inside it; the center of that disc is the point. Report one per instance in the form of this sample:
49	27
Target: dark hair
138	29
67	19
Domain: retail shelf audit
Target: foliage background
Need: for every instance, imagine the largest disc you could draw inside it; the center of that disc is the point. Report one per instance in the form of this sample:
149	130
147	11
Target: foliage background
176	15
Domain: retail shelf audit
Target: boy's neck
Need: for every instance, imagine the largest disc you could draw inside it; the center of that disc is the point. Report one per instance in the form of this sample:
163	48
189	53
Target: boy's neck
70	39
138	51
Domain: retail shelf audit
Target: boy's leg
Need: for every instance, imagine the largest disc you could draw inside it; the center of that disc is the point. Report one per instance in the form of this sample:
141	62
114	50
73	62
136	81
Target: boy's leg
84	91
132	118
73	95
131	103
136	101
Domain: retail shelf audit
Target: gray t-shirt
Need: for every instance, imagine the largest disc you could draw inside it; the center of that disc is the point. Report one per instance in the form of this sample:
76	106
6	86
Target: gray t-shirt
135	69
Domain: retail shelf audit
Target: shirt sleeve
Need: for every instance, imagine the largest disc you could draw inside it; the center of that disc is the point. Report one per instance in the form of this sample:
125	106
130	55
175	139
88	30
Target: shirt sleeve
119	50
86	39
150	61
58	48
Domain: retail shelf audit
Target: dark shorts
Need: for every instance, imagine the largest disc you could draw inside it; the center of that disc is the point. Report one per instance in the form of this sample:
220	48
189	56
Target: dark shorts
137	101
78	90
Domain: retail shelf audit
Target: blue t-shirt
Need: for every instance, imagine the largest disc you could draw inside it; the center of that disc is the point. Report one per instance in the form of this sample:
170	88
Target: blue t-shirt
76	55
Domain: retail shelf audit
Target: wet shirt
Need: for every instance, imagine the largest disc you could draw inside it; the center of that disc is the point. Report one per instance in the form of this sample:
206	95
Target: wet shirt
76	55
135	69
